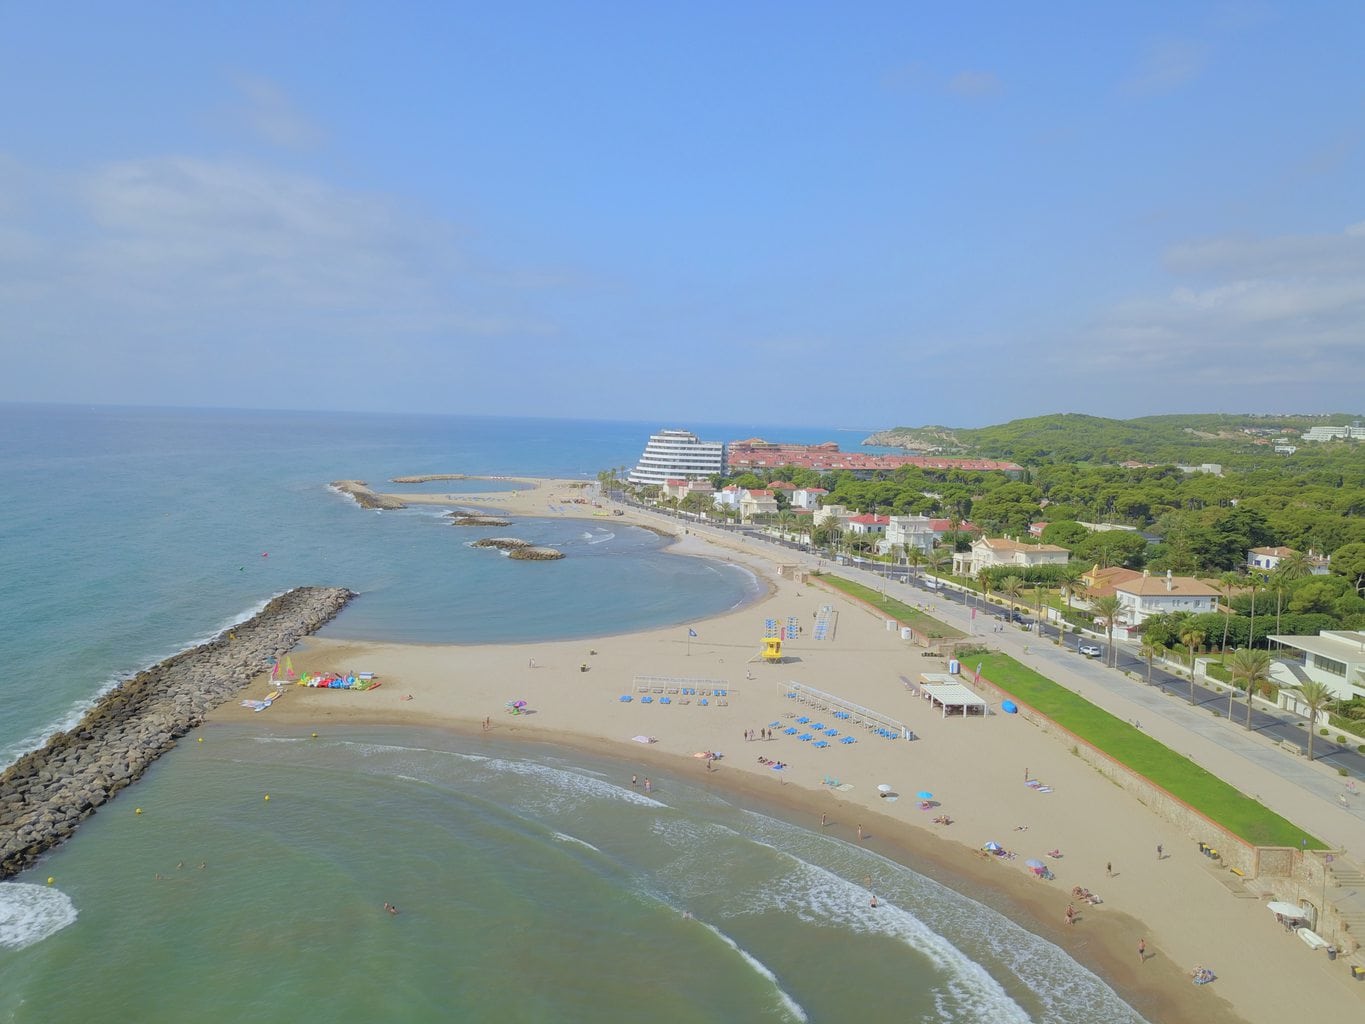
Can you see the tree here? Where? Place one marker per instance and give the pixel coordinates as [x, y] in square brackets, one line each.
[1192, 638]
[1317, 696]
[1071, 580]
[1227, 583]
[1349, 561]
[1254, 583]
[1293, 567]
[916, 558]
[984, 578]
[1106, 610]
[1249, 668]
[1151, 650]
[1011, 587]
[1038, 589]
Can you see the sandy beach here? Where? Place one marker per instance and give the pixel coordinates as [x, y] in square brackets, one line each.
[976, 769]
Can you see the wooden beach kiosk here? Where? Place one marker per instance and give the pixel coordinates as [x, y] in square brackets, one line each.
[950, 696]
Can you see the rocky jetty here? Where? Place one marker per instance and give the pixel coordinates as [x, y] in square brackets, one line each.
[533, 553]
[502, 543]
[471, 519]
[364, 496]
[427, 478]
[47, 793]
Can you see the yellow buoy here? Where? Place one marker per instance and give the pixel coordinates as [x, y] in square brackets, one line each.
[201, 739]
[315, 735]
[138, 811]
[50, 879]
[267, 796]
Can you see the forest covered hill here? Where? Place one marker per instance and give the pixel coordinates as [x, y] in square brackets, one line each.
[1235, 440]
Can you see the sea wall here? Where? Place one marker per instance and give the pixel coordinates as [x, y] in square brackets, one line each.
[48, 792]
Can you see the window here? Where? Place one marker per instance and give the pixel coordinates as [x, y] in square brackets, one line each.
[1330, 666]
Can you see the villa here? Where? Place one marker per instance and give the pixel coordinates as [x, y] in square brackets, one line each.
[989, 552]
[1335, 657]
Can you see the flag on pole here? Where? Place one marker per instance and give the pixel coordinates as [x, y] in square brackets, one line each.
[973, 613]
[977, 677]
[691, 632]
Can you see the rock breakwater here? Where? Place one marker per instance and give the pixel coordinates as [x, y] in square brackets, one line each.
[47, 793]
[365, 496]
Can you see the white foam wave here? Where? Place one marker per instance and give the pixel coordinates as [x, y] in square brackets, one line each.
[566, 838]
[78, 708]
[558, 784]
[793, 1008]
[1065, 989]
[30, 913]
[818, 896]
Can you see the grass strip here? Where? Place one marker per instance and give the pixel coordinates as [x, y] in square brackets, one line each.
[921, 622]
[1175, 773]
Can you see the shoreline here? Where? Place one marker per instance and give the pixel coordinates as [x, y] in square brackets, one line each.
[1181, 910]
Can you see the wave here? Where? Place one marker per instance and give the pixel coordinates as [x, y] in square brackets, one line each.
[78, 708]
[927, 916]
[789, 1004]
[30, 913]
[564, 837]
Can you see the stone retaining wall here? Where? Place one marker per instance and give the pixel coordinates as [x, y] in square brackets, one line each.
[48, 792]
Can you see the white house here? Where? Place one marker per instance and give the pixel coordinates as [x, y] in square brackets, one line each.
[728, 497]
[1269, 559]
[988, 552]
[808, 497]
[908, 532]
[1148, 595]
[1335, 657]
[868, 524]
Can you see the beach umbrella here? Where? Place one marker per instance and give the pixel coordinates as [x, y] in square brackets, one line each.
[1037, 865]
[884, 788]
[993, 846]
[519, 704]
[925, 795]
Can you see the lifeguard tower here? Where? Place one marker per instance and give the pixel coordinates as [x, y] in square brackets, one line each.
[772, 649]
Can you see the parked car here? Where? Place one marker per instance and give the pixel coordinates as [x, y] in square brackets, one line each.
[1089, 650]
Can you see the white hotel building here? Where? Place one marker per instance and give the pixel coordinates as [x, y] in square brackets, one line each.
[678, 455]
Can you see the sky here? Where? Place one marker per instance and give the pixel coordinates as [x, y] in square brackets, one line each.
[862, 215]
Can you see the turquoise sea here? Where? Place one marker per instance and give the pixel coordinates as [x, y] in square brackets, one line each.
[533, 883]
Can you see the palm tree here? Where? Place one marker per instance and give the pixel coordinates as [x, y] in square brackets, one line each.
[1071, 580]
[1107, 610]
[1192, 638]
[984, 578]
[1254, 583]
[1010, 587]
[1038, 606]
[916, 558]
[1151, 650]
[1317, 696]
[1292, 567]
[1227, 583]
[1251, 668]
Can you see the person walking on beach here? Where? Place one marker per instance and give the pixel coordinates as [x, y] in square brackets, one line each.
[860, 833]
[1142, 950]
[635, 780]
[1158, 851]
[1109, 868]
[648, 787]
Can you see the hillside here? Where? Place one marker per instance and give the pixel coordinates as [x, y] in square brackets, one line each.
[1236, 440]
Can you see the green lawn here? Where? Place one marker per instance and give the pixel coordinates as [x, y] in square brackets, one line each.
[924, 624]
[1178, 775]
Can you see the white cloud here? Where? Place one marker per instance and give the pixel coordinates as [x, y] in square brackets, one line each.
[1165, 66]
[271, 115]
[974, 83]
[917, 76]
[1287, 311]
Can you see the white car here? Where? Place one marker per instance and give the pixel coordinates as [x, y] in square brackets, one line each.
[1090, 650]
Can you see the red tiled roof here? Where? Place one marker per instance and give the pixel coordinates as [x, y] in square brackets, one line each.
[871, 520]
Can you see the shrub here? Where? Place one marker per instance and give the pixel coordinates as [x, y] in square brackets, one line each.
[1342, 771]
[1341, 739]
[1322, 732]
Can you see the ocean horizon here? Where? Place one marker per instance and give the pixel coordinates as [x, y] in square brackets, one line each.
[533, 882]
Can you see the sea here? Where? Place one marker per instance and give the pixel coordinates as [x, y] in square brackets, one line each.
[531, 882]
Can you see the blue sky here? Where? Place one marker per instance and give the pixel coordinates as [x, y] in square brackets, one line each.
[864, 215]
